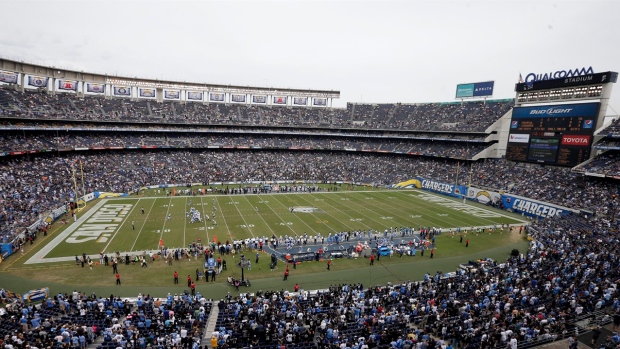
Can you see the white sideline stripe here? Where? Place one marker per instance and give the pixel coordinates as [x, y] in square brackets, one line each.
[94, 257]
[39, 256]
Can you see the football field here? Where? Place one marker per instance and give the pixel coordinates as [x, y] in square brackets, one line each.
[137, 224]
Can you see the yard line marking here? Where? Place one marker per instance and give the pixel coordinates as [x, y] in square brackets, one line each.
[184, 222]
[242, 217]
[161, 235]
[301, 220]
[498, 212]
[204, 219]
[391, 212]
[142, 227]
[349, 202]
[225, 223]
[315, 216]
[335, 219]
[123, 223]
[421, 208]
[261, 217]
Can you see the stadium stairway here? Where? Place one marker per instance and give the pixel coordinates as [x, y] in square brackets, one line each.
[206, 340]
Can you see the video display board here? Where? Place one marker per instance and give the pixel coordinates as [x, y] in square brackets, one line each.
[552, 134]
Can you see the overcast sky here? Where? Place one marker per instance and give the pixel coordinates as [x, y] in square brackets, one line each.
[377, 51]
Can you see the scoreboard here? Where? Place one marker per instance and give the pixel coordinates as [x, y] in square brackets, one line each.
[559, 134]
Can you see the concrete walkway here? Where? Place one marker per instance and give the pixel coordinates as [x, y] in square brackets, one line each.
[211, 325]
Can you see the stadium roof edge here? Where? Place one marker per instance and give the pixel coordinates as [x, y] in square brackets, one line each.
[29, 68]
[496, 100]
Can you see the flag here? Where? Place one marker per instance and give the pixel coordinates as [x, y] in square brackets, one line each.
[237, 98]
[95, 88]
[8, 77]
[259, 99]
[300, 100]
[172, 94]
[146, 92]
[37, 81]
[122, 91]
[194, 96]
[320, 101]
[217, 97]
[520, 78]
[67, 85]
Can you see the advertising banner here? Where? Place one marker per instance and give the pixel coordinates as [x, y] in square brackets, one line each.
[36, 295]
[519, 138]
[482, 89]
[483, 196]
[412, 183]
[561, 110]
[532, 208]
[478, 89]
[578, 140]
[443, 188]
[89, 197]
[464, 90]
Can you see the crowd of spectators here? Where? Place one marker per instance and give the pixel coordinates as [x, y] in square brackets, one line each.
[607, 164]
[556, 185]
[613, 130]
[78, 321]
[47, 140]
[463, 117]
[467, 116]
[32, 185]
[570, 271]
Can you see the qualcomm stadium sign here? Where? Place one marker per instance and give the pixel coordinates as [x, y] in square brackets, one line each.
[560, 74]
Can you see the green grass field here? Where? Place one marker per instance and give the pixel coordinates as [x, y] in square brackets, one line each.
[106, 225]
